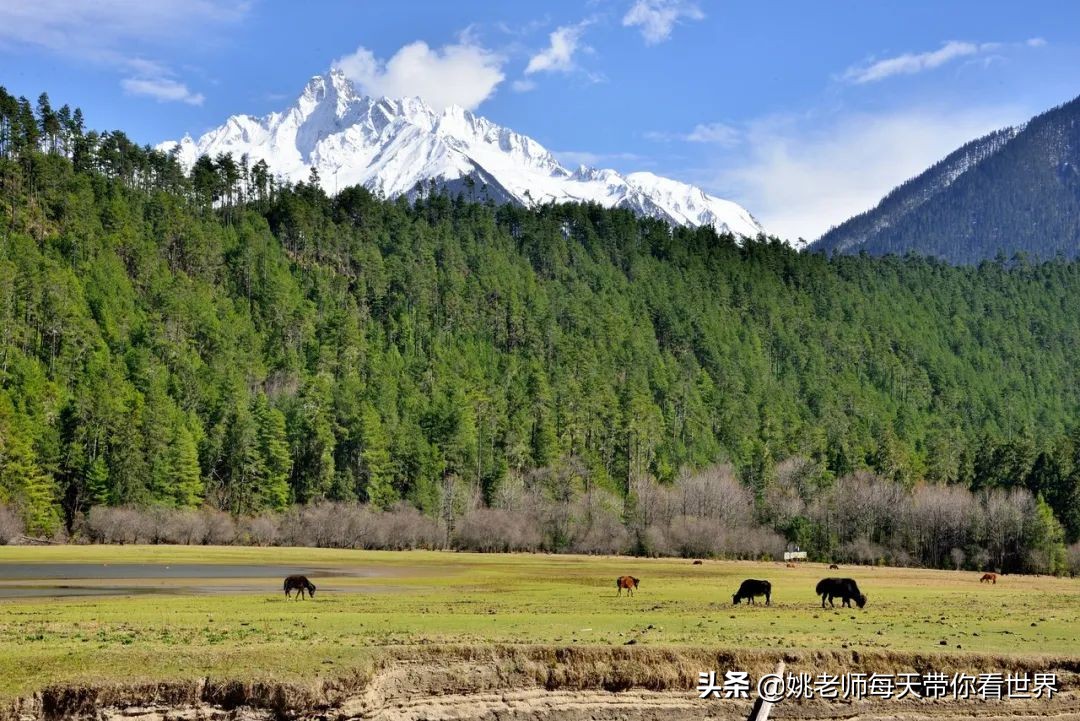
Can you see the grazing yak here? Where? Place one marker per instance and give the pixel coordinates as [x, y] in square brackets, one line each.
[833, 567]
[988, 578]
[750, 588]
[627, 582]
[299, 584]
[844, 588]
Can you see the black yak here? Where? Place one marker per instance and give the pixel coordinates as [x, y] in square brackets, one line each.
[844, 588]
[299, 584]
[750, 588]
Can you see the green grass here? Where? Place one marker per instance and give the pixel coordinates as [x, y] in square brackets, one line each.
[424, 598]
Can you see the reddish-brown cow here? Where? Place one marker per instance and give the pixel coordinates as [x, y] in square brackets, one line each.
[627, 582]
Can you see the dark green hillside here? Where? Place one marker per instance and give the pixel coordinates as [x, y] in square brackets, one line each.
[212, 338]
[1014, 191]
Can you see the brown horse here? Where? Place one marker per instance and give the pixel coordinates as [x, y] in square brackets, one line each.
[299, 584]
[988, 578]
[833, 567]
[627, 582]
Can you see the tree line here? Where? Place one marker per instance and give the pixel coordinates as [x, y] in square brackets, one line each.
[216, 338]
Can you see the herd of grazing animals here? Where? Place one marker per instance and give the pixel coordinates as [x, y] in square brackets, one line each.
[828, 588]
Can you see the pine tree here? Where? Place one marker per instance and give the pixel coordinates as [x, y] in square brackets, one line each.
[22, 481]
[97, 482]
[186, 482]
[274, 446]
[378, 466]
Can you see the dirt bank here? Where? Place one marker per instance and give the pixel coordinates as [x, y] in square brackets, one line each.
[511, 683]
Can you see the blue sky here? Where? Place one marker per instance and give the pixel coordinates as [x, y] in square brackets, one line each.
[804, 112]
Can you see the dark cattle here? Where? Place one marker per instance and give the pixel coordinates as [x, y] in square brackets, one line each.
[750, 588]
[844, 588]
[698, 562]
[988, 578]
[300, 584]
[833, 567]
[627, 582]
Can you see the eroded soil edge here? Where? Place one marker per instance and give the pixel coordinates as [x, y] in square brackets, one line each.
[537, 682]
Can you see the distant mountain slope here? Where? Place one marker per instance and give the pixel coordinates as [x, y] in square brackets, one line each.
[1014, 190]
[394, 147]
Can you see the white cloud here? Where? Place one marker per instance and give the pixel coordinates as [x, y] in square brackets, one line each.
[718, 133]
[106, 31]
[100, 28]
[559, 55]
[657, 18]
[800, 182]
[464, 74]
[162, 90]
[523, 85]
[912, 63]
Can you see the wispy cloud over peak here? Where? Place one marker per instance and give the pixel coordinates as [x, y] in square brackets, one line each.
[464, 74]
[657, 18]
[913, 63]
[162, 89]
[558, 56]
[909, 63]
[720, 134]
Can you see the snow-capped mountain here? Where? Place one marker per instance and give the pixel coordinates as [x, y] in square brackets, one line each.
[394, 146]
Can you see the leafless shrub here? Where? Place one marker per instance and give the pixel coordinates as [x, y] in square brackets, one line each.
[862, 550]
[351, 525]
[404, 527]
[220, 527]
[1072, 559]
[754, 542]
[715, 493]
[316, 524]
[260, 530]
[121, 525]
[11, 525]
[938, 519]
[498, 530]
[512, 494]
[654, 505]
[694, 536]
[183, 527]
[597, 525]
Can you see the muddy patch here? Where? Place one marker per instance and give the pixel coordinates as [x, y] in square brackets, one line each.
[46, 580]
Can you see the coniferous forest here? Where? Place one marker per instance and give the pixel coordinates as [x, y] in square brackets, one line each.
[218, 340]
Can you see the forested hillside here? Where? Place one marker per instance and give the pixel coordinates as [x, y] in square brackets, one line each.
[1016, 190]
[219, 339]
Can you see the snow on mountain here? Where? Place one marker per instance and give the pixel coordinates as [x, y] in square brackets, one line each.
[392, 146]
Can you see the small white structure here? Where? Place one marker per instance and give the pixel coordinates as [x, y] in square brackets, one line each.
[794, 555]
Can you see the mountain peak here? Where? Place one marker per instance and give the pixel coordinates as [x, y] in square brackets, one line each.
[394, 146]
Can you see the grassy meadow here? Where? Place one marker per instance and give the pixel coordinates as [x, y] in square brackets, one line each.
[165, 629]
